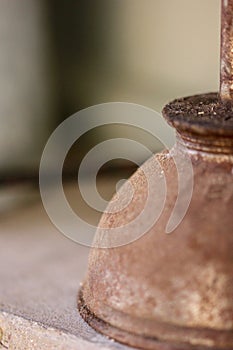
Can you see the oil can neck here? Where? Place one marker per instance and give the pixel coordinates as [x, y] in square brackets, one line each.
[209, 144]
[203, 123]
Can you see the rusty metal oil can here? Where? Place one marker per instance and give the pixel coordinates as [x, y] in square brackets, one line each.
[175, 291]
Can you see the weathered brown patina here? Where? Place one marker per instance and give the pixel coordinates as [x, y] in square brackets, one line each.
[171, 292]
[226, 86]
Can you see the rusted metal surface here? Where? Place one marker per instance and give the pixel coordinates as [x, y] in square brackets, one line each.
[170, 292]
[226, 87]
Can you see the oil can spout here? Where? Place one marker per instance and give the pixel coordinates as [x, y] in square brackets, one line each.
[226, 71]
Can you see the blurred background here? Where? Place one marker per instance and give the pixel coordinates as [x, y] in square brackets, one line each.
[58, 57]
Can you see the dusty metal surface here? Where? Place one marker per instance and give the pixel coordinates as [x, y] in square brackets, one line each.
[19, 333]
[226, 84]
[40, 273]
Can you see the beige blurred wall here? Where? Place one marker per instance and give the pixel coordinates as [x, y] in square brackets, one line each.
[146, 52]
[157, 50]
[153, 51]
[171, 46]
[27, 98]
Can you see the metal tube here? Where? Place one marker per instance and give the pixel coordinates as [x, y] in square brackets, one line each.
[226, 79]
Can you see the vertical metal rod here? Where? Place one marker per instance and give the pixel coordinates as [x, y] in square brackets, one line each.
[226, 79]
